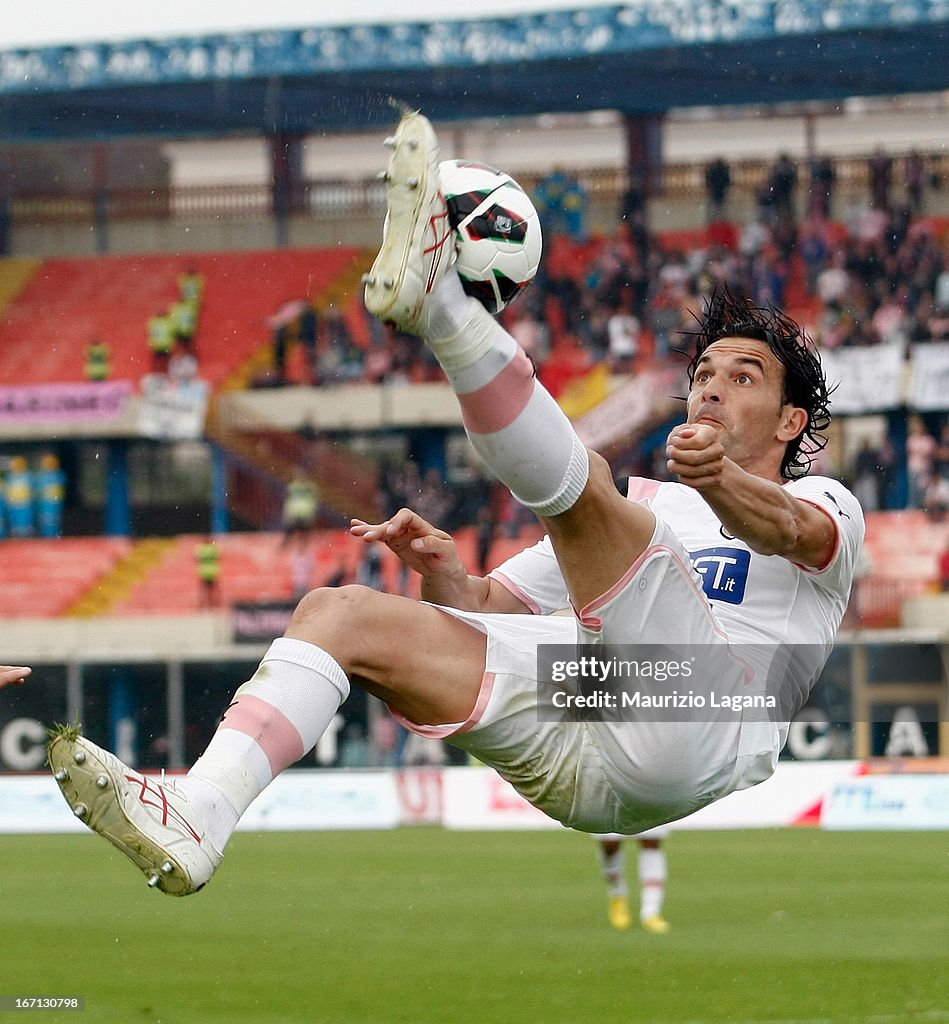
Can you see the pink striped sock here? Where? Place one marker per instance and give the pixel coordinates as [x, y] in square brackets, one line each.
[511, 419]
[274, 719]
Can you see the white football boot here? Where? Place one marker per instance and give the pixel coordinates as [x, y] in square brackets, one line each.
[151, 822]
[418, 240]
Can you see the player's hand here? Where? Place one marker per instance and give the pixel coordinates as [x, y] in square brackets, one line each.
[421, 546]
[696, 455]
[13, 675]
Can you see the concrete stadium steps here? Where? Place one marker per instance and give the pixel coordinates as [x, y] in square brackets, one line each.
[44, 578]
[254, 567]
[251, 287]
[15, 274]
[906, 545]
[343, 291]
[66, 303]
[902, 551]
[140, 560]
[257, 567]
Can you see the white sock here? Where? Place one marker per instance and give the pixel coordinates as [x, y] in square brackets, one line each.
[613, 868]
[653, 872]
[511, 419]
[275, 718]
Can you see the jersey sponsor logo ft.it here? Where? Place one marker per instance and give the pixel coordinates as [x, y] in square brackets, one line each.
[724, 572]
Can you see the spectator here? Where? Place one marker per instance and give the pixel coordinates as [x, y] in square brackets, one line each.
[302, 565]
[914, 173]
[718, 180]
[369, 569]
[561, 204]
[823, 176]
[781, 187]
[301, 505]
[866, 477]
[833, 282]
[183, 365]
[308, 328]
[183, 315]
[161, 341]
[944, 570]
[936, 501]
[666, 310]
[207, 557]
[487, 531]
[623, 330]
[98, 360]
[881, 172]
[49, 488]
[191, 286]
[813, 249]
[920, 453]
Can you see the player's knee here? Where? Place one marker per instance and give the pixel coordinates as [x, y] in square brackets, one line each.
[329, 607]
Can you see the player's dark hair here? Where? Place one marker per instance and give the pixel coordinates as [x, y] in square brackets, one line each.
[729, 316]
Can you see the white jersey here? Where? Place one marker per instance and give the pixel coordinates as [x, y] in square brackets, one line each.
[763, 601]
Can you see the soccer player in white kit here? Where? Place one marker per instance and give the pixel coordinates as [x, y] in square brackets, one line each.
[736, 560]
[653, 872]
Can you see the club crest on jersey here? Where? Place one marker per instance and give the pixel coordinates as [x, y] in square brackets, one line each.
[724, 572]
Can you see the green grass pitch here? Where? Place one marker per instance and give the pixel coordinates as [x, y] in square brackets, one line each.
[424, 925]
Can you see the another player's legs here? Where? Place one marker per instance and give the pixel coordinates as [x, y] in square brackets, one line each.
[175, 832]
[511, 419]
[653, 872]
[612, 858]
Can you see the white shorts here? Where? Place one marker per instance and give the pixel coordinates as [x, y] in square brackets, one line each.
[610, 776]
[659, 833]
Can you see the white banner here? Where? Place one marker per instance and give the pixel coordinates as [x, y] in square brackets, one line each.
[930, 387]
[868, 378]
[304, 800]
[172, 410]
[888, 802]
[478, 798]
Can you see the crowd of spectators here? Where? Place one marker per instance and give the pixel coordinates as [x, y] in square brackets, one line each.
[858, 274]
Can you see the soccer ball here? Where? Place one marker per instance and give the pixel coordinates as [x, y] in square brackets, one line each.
[497, 232]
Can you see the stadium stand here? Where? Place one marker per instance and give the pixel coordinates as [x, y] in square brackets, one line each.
[902, 551]
[55, 307]
[45, 578]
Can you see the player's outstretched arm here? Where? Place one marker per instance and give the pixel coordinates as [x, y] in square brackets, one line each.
[759, 511]
[11, 675]
[432, 553]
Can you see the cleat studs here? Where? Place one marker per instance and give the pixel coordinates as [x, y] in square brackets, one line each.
[368, 279]
[413, 143]
[390, 142]
[382, 176]
[388, 283]
[80, 810]
[167, 868]
[102, 781]
[412, 182]
[153, 879]
[61, 775]
[79, 757]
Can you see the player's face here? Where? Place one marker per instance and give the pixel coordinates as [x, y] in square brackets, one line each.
[738, 389]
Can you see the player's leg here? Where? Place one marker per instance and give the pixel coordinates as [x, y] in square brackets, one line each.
[428, 665]
[511, 419]
[612, 857]
[653, 874]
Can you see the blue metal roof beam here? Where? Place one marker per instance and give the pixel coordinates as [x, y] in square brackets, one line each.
[637, 26]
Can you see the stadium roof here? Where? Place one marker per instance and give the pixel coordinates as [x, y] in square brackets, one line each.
[646, 56]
